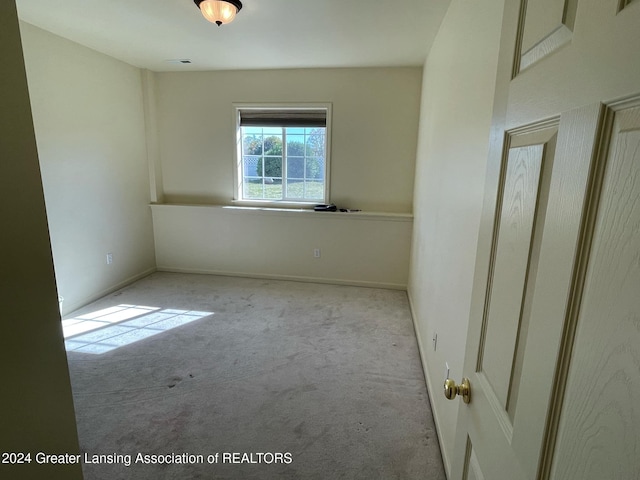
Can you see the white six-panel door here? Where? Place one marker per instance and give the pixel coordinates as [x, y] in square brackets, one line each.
[553, 348]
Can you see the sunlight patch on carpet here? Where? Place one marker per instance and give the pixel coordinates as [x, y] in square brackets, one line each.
[110, 328]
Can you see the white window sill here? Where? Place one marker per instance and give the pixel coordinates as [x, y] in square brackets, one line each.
[276, 205]
[308, 212]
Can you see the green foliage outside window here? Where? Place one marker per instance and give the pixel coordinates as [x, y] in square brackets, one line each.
[310, 157]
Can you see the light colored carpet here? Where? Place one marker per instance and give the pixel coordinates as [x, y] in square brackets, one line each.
[327, 374]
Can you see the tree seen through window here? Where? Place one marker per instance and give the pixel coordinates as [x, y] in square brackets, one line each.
[283, 163]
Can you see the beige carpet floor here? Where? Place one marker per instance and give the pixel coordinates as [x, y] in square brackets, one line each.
[183, 376]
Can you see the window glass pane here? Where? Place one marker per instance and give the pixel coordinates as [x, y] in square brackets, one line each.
[250, 166]
[253, 188]
[295, 190]
[315, 142]
[272, 145]
[295, 168]
[314, 168]
[252, 130]
[272, 167]
[252, 144]
[265, 162]
[314, 190]
[295, 145]
[270, 189]
[273, 191]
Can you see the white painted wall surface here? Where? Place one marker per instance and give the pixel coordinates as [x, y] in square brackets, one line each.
[90, 130]
[374, 135]
[373, 145]
[355, 249]
[457, 103]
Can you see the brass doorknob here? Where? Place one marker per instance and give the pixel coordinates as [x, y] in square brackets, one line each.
[451, 389]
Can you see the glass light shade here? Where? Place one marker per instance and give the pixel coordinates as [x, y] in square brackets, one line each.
[218, 11]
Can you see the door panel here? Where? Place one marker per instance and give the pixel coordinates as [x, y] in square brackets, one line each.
[598, 432]
[541, 18]
[549, 324]
[472, 470]
[516, 428]
[512, 243]
[545, 26]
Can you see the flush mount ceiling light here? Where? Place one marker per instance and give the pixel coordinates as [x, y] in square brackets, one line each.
[219, 11]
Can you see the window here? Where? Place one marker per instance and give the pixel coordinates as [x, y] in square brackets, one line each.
[282, 153]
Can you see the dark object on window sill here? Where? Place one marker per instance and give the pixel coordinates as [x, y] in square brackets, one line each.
[325, 208]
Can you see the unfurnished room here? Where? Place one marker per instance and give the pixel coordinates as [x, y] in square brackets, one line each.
[265, 239]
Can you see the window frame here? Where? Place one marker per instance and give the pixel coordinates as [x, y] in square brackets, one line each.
[238, 163]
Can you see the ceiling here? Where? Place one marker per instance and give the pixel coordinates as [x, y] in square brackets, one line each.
[153, 34]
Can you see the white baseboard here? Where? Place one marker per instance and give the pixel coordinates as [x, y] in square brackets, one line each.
[330, 281]
[71, 307]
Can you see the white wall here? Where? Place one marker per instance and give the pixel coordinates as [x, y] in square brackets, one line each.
[96, 147]
[457, 100]
[374, 135]
[90, 130]
[373, 145]
[355, 249]
[36, 408]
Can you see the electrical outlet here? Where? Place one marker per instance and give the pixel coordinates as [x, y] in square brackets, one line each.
[316, 253]
[109, 258]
